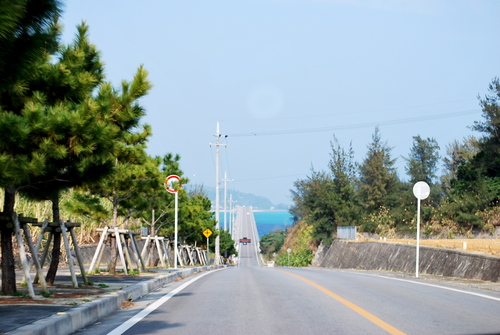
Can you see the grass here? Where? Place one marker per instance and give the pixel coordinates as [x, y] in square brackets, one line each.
[21, 294]
[46, 294]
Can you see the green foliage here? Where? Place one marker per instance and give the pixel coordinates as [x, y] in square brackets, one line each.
[21, 294]
[327, 201]
[491, 114]
[313, 203]
[422, 163]
[476, 186]
[381, 223]
[28, 36]
[467, 199]
[378, 179]
[80, 204]
[46, 294]
[298, 240]
[272, 243]
[226, 242]
[300, 258]
[458, 154]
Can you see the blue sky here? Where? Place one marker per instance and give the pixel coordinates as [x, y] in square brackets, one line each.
[283, 77]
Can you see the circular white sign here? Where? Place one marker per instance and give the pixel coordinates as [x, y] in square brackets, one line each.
[169, 181]
[421, 190]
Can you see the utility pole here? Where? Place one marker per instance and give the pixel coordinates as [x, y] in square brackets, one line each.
[217, 200]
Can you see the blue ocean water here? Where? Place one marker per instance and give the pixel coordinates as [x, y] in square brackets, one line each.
[266, 221]
[269, 221]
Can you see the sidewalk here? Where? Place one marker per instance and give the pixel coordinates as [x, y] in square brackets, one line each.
[68, 309]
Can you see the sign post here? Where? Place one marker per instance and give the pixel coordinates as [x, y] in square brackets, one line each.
[170, 187]
[207, 232]
[421, 191]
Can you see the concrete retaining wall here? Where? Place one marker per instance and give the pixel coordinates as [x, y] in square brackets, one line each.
[401, 258]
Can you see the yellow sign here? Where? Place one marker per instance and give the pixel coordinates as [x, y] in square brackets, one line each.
[207, 232]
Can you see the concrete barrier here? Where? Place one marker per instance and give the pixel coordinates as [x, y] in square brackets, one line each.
[401, 258]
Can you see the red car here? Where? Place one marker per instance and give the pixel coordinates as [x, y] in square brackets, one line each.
[245, 240]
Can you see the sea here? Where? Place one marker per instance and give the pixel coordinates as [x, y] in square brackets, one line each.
[269, 221]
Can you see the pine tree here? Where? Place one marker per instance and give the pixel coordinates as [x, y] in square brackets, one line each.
[422, 162]
[79, 141]
[28, 35]
[343, 169]
[129, 178]
[378, 177]
[477, 183]
[129, 174]
[487, 161]
[458, 154]
[315, 202]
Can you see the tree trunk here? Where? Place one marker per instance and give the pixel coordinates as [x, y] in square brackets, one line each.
[56, 248]
[114, 254]
[151, 244]
[7, 231]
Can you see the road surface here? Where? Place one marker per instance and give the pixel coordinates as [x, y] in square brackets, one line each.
[252, 299]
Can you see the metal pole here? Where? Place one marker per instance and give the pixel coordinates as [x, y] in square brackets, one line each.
[418, 238]
[225, 200]
[217, 205]
[231, 215]
[176, 222]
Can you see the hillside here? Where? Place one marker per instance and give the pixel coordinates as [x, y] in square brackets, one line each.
[241, 199]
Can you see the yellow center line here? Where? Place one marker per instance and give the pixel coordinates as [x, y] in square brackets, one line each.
[385, 326]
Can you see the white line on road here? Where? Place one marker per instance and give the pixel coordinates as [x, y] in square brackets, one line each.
[433, 285]
[145, 312]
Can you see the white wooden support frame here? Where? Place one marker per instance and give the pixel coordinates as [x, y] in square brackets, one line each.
[22, 253]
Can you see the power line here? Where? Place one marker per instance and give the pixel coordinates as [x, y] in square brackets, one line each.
[359, 125]
[269, 178]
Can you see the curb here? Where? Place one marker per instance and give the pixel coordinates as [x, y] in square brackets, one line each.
[81, 316]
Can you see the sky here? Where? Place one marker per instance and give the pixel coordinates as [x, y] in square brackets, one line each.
[281, 78]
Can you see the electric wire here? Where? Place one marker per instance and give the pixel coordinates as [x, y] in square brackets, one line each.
[359, 125]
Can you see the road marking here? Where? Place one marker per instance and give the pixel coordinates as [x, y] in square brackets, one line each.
[145, 312]
[433, 285]
[384, 325]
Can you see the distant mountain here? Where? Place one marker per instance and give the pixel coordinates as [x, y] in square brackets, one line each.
[239, 198]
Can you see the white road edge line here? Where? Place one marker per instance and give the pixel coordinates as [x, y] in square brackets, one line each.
[436, 286]
[146, 311]
[256, 239]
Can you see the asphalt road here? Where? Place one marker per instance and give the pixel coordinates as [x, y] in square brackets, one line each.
[251, 299]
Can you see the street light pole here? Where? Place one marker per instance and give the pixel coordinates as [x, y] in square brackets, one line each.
[217, 200]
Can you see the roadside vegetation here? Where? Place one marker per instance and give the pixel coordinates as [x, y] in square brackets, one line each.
[464, 200]
[73, 145]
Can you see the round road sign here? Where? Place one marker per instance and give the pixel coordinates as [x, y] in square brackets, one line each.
[169, 183]
[421, 190]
